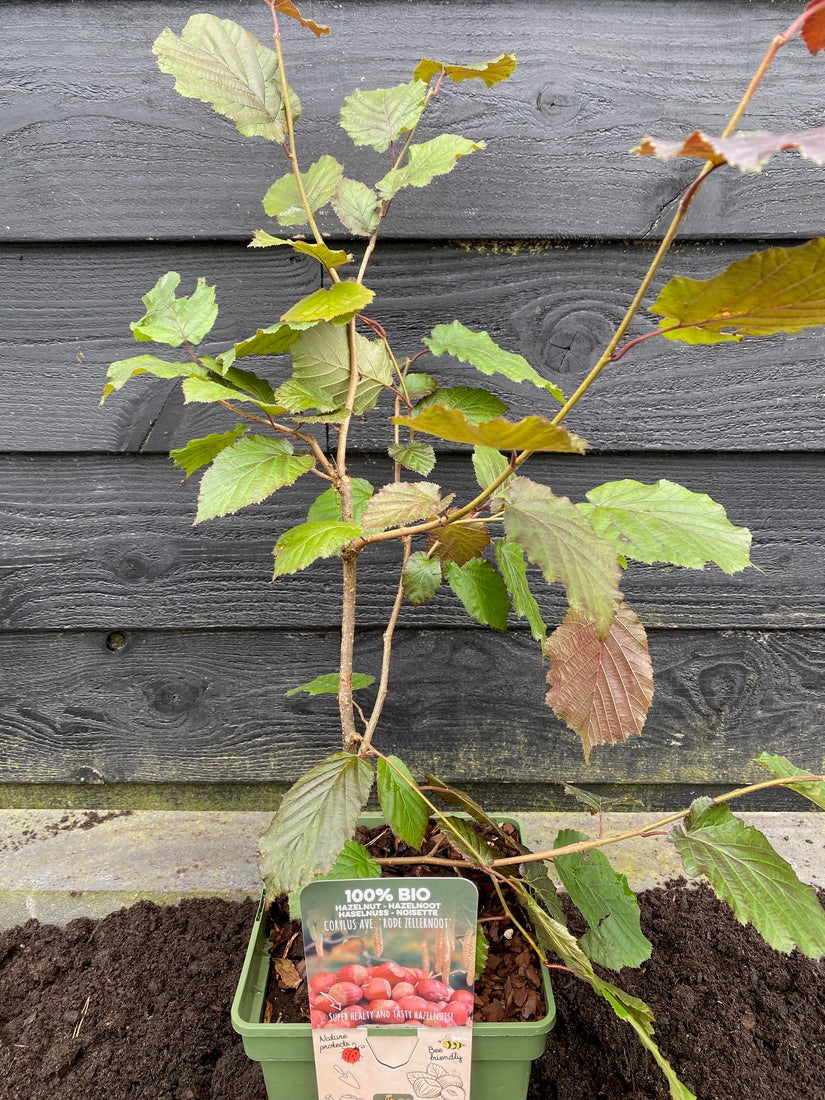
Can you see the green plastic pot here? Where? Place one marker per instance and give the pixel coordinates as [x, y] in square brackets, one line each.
[502, 1053]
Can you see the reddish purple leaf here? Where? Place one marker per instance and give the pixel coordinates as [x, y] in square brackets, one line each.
[748, 152]
[813, 32]
[601, 689]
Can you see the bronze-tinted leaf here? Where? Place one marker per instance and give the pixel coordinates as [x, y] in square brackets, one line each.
[533, 433]
[813, 32]
[287, 7]
[749, 152]
[458, 542]
[601, 688]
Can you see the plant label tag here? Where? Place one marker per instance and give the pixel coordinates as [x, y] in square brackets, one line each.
[390, 967]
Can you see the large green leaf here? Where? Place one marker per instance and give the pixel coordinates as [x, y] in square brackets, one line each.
[327, 684]
[378, 117]
[357, 206]
[489, 464]
[339, 303]
[746, 872]
[466, 838]
[491, 72]
[175, 321]
[317, 816]
[421, 578]
[561, 541]
[606, 902]
[666, 522]
[513, 569]
[481, 590]
[480, 350]
[321, 358]
[326, 508]
[426, 161]
[302, 545]
[297, 397]
[403, 502]
[248, 472]
[534, 873]
[478, 405]
[406, 811]
[273, 340]
[779, 290]
[221, 64]
[200, 452]
[418, 457]
[782, 768]
[283, 199]
[215, 389]
[120, 372]
[601, 686]
[533, 433]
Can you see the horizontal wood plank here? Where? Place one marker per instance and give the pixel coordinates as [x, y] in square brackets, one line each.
[210, 708]
[109, 543]
[96, 145]
[65, 314]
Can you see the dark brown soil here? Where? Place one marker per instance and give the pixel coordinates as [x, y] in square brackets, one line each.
[137, 1005]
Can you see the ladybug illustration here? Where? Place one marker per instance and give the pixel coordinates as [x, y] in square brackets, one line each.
[351, 1055]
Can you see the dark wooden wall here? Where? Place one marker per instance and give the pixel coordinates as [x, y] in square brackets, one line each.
[145, 662]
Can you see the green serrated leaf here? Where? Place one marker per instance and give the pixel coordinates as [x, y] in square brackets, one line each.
[513, 569]
[406, 811]
[200, 452]
[597, 805]
[403, 502]
[476, 404]
[746, 872]
[327, 684]
[534, 873]
[304, 544]
[357, 207]
[283, 199]
[379, 117]
[419, 385]
[778, 290]
[481, 590]
[175, 321]
[533, 433]
[421, 578]
[419, 457]
[782, 768]
[426, 161]
[482, 952]
[465, 838]
[555, 939]
[606, 902]
[248, 472]
[213, 390]
[667, 522]
[329, 257]
[274, 340]
[491, 72]
[326, 508]
[454, 797]
[554, 535]
[481, 351]
[490, 464]
[321, 358]
[316, 818]
[297, 397]
[220, 63]
[123, 370]
[339, 303]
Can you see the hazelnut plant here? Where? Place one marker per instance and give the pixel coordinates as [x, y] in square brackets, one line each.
[329, 363]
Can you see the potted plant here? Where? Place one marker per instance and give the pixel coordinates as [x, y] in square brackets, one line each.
[328, 365]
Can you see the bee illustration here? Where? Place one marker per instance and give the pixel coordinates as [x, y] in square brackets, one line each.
[451, 1042]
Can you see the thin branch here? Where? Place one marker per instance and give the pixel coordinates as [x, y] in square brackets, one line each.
[383, 684]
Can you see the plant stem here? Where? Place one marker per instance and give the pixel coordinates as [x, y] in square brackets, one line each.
[386, 658]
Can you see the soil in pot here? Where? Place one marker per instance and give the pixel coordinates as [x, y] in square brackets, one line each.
[137, 1005]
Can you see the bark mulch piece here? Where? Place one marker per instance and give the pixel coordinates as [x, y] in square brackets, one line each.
[137, 1005]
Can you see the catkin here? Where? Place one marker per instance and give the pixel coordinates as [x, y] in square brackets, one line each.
[468, 954]
[377, 937]
[425, 955]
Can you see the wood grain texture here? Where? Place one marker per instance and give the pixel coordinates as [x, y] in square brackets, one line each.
[210, 707]
[65, 313]
[108, 543]
[96, 145]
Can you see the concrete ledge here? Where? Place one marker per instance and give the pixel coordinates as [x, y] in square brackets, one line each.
[56, 865]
